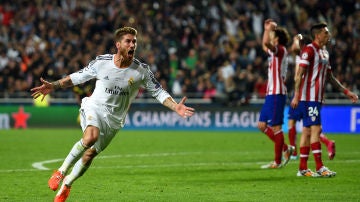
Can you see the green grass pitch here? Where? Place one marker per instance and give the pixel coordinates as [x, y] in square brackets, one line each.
[172, 166]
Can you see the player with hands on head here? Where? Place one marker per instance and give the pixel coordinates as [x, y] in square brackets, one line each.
[118, 80]
[271, 118]
[314, 70]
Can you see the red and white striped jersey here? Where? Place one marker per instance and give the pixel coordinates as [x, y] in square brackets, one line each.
[278, 65]
[316, 62]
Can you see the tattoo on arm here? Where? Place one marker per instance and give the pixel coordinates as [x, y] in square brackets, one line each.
[170, 103]
[56, 84]
[335, 82]
[298, 75]
[62, 83]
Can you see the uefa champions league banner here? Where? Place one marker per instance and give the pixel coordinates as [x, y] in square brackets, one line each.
[335, 119]
[220, 119]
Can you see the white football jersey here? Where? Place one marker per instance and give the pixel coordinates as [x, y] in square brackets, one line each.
[116, 88]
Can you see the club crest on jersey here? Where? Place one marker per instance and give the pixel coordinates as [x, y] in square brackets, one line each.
[313, 118]
[304, 56]
[131, 81]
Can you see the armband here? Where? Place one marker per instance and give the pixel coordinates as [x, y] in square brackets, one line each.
[346, 91]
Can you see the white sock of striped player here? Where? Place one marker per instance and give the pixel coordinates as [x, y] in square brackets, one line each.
[74, 155]
[78, 170]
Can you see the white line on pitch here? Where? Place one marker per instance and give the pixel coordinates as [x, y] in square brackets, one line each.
[38, 166]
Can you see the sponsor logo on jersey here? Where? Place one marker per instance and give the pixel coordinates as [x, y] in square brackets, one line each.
[117, 91]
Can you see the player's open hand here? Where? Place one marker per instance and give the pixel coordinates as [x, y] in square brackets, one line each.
[294, 102]
[43, 90]
[353, 97]
[183, 110]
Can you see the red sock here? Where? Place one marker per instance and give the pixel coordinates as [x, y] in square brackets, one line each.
[292, 138]
[279, 142]
[304, 156]
[324, 139]
[270, 133]
[316, 150]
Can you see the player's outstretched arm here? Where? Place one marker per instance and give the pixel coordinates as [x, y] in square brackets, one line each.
[47, 87]
[180, 108]
[352, 96]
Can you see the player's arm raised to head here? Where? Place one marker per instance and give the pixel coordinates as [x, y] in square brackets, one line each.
[336, 83]
[295, 46]
[269, 27]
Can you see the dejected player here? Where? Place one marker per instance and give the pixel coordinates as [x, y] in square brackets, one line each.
[309, 90]
[294, 114]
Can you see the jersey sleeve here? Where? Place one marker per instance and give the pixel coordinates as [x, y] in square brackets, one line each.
[306, 56]
[85, 74]
[153, 86]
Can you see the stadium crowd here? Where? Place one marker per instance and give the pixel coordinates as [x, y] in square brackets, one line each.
[207, 49]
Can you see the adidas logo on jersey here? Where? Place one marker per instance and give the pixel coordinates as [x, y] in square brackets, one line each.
[106, 78]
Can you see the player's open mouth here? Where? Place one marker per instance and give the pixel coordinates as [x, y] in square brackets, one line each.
[131, 53]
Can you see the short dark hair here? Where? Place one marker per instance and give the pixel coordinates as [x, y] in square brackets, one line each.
[122, 31]
[305, 40]
[283, 35]
[315, 29]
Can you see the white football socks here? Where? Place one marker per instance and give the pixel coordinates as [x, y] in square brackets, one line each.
[78, 170]
[74, 155]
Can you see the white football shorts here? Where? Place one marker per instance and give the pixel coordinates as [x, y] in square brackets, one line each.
[92, 114]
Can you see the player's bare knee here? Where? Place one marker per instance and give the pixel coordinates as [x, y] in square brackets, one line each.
[91, 135]
[262, 126]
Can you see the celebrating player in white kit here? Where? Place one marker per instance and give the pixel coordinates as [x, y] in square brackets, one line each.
[118, 79]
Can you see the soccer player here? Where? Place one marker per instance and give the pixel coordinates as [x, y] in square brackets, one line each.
[271, 118]
[294, 114]
[309, 87]
[119, 77]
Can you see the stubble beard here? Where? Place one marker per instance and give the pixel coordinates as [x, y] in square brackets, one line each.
[125, 60]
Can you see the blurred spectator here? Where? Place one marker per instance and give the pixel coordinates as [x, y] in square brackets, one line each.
[49, 38]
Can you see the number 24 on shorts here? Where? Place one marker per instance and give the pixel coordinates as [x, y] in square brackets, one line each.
[313, 111]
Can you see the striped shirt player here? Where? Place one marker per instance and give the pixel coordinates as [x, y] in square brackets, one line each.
[271, 117]
[295, 114]
[118, 79]
[310, 80]
[315, 60]
[277, 70]
[276, 89]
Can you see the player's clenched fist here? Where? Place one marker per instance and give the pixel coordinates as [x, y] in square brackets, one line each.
[270, 24]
